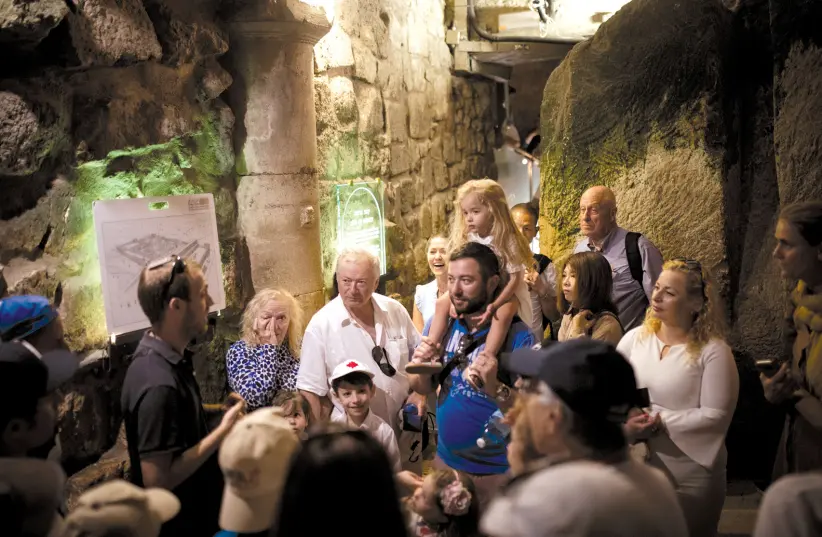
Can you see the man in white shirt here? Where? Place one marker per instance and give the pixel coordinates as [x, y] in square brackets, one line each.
[568, 453]
[362, 325]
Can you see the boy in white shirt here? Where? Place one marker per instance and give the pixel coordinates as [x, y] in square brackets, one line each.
[353, 385]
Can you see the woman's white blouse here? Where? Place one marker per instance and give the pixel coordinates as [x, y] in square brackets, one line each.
[695, 398]
[426, 299]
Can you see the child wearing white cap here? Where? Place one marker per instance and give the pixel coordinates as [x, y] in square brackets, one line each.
[353, 385]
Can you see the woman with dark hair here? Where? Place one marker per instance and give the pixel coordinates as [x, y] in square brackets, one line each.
[340, 483]
[585, 298]
[797, 384]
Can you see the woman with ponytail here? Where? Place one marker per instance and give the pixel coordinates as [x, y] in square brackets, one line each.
[681, 357]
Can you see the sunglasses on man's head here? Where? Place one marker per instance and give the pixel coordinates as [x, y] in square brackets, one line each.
[379, 356]
[178, 268]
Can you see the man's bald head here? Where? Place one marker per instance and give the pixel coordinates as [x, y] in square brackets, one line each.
[597, 212]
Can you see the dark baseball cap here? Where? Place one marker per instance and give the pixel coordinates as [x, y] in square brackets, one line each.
[20, 362]
[590, 376]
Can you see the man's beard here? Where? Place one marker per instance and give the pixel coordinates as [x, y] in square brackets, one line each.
[478, 303]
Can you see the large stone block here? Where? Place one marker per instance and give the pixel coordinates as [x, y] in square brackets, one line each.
[333, 50]
[370, 109]
[419, 116]
[799, 99]
[365, 64]
[590, 139]
[40, 228]
[344, 99]
[186, 30]
[133, 107]
[113, 32]
[25, 23]
[34, 119]
[390, 74]
[400, 159]
[414, 73]
[396, 116]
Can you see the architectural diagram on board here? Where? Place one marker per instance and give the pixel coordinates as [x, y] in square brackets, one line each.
[133, 233]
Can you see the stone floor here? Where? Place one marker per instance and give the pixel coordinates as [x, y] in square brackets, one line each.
[739, 514]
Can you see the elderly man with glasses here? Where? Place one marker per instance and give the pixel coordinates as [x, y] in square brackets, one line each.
[359, 324]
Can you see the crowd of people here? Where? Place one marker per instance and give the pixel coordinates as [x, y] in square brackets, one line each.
[613, 424]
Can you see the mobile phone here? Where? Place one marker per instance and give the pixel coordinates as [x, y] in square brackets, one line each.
[768, 366]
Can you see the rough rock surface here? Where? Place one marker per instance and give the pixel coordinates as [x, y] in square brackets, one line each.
[186, 29]
[113, 32]
[706, 129]
[34, 116]
[676, 126]
[25, 23]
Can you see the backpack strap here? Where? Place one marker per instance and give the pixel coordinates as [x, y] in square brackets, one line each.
[599, 316]
[633, 255]
[542, 262]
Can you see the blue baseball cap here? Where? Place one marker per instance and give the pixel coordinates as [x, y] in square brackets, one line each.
[23, 315]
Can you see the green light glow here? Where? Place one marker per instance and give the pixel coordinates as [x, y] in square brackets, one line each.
[191, 164]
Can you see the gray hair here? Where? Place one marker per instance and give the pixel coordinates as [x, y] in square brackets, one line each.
[359, 254]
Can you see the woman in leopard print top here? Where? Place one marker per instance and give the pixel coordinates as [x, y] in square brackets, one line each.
[266, 359]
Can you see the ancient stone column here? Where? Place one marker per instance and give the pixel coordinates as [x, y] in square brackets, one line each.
[271, 58]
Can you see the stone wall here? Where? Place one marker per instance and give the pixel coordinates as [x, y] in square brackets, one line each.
[705, 130]
[104, 99]
[388, 108]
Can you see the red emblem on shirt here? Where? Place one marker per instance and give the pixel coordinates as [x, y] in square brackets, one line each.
[352, 365]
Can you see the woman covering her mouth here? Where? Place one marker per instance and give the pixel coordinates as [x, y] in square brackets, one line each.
[425, 298]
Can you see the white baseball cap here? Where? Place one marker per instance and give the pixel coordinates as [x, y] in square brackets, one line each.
[350, 366]
[255, 458]
[121, 508]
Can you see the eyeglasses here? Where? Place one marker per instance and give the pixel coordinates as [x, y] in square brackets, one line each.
[178, 268]
[378, 354]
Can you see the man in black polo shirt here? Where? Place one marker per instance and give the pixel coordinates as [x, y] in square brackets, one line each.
[169, 443]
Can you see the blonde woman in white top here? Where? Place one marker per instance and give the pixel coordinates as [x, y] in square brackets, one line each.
[680, 356]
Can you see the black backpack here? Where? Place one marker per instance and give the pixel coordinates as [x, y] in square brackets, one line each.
[633, 255]
[542, 263]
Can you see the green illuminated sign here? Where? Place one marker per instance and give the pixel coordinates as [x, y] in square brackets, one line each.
[360, 218]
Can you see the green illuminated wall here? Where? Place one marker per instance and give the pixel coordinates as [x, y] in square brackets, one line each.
[196, 163]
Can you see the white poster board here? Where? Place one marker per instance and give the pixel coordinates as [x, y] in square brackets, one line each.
[131, 233]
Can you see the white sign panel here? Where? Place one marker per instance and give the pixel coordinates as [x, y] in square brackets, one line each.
[131, 233]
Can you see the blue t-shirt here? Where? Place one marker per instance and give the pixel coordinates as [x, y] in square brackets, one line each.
[463, 412]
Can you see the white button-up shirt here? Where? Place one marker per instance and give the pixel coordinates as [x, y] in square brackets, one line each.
[382, 433]
[333, 336]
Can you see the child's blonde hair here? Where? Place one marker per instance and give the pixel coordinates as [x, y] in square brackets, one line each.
[509, 242]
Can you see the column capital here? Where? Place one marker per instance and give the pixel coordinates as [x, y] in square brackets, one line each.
[292, 21]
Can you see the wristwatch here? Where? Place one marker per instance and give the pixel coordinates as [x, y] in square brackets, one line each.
[503, 393]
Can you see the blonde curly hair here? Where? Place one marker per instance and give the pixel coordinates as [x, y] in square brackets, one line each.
[508, 241]
[295, 316]
[709, 321]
